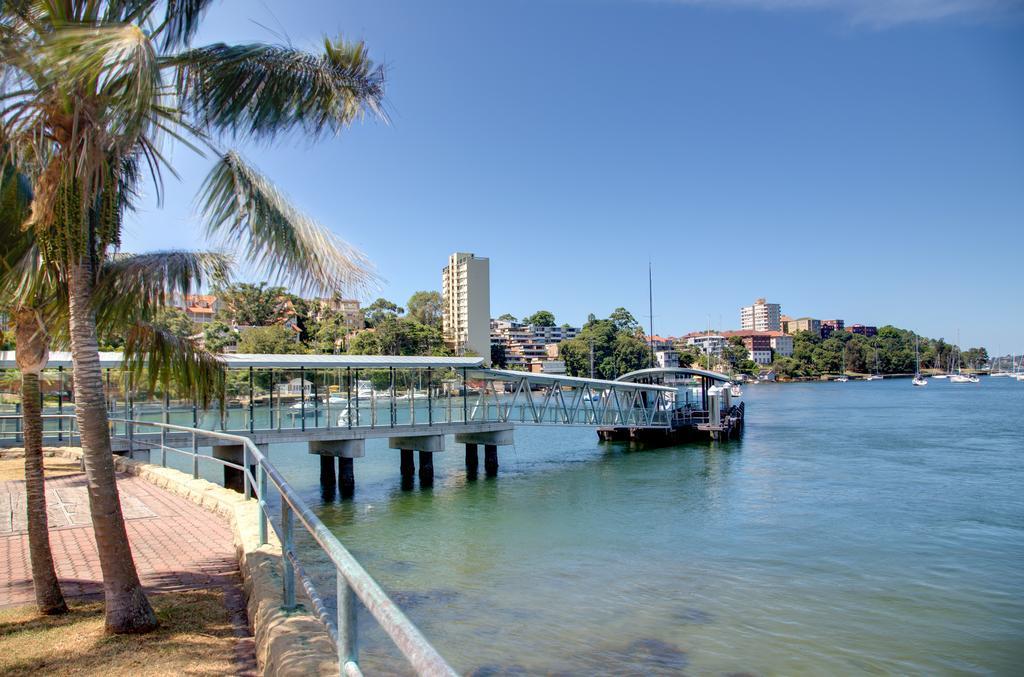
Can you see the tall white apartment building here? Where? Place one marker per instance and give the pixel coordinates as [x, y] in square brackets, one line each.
[762, 316]
[466, 296]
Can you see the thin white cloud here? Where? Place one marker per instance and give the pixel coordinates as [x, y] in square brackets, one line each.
[883, 12]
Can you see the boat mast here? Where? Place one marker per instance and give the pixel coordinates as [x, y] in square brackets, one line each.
[650, 307]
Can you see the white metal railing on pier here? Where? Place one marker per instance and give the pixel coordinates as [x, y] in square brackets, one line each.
[59, 428]
[353, 581]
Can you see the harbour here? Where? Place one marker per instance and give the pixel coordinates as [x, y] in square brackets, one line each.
[853, 528]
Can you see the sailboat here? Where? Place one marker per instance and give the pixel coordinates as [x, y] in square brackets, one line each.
[959, 376]
[843, 379]
[918, 379]
[876, 376]
[1003, 372]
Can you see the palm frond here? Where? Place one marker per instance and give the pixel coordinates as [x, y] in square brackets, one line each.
[22, 275]
[242, 208]
[132, 287]
[181, 21]
[155, 356]
[260, 90]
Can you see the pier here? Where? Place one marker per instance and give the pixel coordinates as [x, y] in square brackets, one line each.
[335, 403]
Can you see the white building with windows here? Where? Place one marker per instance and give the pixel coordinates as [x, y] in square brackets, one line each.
[707, 343]
[466, 296]
[782, 344]
[762, 316]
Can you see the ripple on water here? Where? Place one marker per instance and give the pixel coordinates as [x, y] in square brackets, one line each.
[693, 616]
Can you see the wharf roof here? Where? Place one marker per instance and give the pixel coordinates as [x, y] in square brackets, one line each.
[112, 360]
[654, 372]
[557, 379]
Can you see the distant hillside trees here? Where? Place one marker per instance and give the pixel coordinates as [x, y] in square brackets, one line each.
[618, 347]
[541, 318]
[891, 351]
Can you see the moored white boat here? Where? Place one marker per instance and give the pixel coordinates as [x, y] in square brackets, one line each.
[1008, 374]
[918, 379]
[843, 378]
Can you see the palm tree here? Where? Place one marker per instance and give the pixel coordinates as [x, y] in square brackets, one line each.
[34, 302]
[89, 88]
[31, 354]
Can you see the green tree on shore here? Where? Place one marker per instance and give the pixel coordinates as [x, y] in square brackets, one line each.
[273, 340]
[381, 310]
[541, 318]
[617, 348]
[426, 308]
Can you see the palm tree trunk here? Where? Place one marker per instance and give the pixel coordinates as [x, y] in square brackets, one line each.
[44, 577]
[127, 609]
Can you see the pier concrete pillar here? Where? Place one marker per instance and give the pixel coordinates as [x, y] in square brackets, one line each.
[426, 469]
[327, 478]
[472, 461]
[408, 467]
[346, 477]
[345, 451]
[491, 460]
[234, 478]
[491, 439]
[426, 445]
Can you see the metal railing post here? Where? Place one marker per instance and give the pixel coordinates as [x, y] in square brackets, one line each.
[245, 472]
[262, 475]
[163, 431]
[195, 457]
[288, 573]
[348, 642]
[131, 439]
[252, 412]
[60, 406]
[393, 406]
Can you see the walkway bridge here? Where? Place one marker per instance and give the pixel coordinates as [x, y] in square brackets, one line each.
[336, 402]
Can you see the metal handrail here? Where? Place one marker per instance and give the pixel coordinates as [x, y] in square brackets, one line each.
[353, 581]
[70, 432]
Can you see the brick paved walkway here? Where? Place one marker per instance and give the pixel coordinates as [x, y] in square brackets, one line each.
[176, 544]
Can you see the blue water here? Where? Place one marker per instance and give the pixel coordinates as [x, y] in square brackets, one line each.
[856, 528]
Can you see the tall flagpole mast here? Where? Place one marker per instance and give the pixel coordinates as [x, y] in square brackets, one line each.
[650, 306]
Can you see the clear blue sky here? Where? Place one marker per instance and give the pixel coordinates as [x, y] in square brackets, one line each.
[861, 159]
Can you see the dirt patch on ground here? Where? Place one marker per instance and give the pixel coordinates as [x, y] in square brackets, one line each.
[13, 469]
[195, 637]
